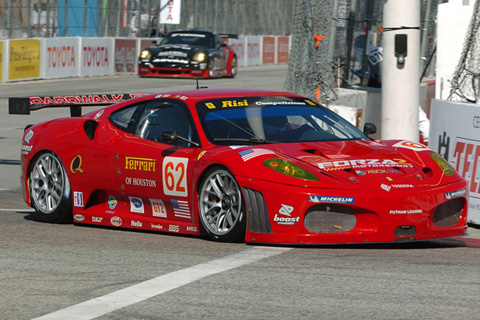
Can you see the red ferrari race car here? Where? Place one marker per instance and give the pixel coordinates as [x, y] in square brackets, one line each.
[236, 165]
[189, 53]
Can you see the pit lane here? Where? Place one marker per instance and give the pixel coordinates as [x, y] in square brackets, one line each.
[45, 268]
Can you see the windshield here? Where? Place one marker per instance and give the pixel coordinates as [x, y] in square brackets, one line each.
[272, 120]
[191, 39]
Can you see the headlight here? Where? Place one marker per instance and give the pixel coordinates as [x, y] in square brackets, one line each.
[145, 54]
[443, 164]
[290, 169]
[200, 57]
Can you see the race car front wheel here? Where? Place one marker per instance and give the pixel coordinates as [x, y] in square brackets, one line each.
[221, 208]
[50, 189]
[233, 67]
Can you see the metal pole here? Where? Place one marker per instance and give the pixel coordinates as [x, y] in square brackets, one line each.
[99, 18]
[65, 19]
[366, 52]
[30, 20]
[333, 32]
[401, 70]
[348, 54]
[426, 26]
[85, 6]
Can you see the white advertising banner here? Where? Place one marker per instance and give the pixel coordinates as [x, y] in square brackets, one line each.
[254, 57]
[239, 47]
[455, 135]
[97, 57]
[170, 11]
[61, 58]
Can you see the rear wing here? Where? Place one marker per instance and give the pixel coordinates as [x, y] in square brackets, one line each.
[25, 105]
[228, 35]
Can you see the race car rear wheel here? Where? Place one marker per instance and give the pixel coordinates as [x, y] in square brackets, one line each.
[221, 207]
[50, 189]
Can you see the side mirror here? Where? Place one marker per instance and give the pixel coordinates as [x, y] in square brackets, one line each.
[369, 128]
[169, 136]
[172, 136]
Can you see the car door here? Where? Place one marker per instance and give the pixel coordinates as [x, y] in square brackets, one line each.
[152, 177]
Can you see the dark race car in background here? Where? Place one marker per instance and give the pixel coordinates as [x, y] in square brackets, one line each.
[248, 165]
[189, 53]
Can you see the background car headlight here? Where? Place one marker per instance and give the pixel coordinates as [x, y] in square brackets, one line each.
[200, 57]
[290, 169]
[145, 54]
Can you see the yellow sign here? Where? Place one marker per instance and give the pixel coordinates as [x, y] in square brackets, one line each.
[24, 56]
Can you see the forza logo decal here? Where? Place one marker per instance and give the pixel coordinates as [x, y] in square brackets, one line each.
[76, 164]
[140, 164]
[363, 163]
[175, 176]
[330, 199]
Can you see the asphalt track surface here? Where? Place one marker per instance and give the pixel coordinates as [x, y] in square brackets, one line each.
[51, 271]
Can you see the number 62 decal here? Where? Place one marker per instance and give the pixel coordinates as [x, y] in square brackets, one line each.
[174, 172]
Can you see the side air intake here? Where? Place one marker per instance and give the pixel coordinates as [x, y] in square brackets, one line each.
[257, 213]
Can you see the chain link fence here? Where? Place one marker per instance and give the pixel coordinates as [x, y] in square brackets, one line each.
[466, 79]
[138, 18]
[329, 43]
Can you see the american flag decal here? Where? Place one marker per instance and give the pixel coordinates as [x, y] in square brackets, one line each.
[181, 208]
[252, 153]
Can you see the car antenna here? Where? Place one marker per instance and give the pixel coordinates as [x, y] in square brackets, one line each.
[198, 87]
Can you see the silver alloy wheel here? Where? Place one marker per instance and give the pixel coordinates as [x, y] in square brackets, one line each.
[220, 202]
[47, 183]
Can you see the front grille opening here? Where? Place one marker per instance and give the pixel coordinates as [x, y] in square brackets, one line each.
[326, 218]
[449, 213]
[405, 231]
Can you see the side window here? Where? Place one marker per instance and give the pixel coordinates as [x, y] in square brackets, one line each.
[124, 118]
[218, 41]
[159, 116]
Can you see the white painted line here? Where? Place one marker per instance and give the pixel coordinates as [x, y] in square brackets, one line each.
[16, 210]
[142, 291]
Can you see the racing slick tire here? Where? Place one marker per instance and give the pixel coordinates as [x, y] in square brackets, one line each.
[221, 206]
[50, 192]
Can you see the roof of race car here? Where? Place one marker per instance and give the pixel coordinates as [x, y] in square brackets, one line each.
[23, 105]
[205, 93]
